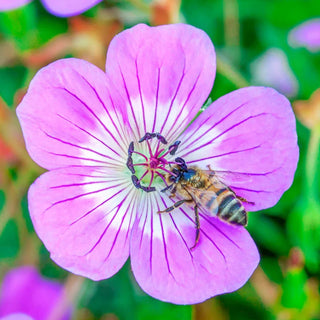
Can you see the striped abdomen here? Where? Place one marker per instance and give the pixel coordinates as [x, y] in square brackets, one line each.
[228, 207]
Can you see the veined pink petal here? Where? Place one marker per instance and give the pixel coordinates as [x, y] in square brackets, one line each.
[6, 5]
[167, 269]
[68, 8]
[84, 215]
[252, 133]
[165, 74]
[68, 117]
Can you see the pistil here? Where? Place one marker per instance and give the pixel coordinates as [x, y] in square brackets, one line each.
[154, 164]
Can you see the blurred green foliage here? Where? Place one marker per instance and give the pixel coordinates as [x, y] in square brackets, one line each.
[289, 286]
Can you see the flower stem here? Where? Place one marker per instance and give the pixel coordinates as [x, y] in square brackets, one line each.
[232, 26]
[70, 297]
[230, 73]
[140, 5]
[311, 162]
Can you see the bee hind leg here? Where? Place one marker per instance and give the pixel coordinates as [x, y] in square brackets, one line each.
[245, 200]
[197, 220]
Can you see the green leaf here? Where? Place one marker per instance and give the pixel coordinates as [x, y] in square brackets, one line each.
[9, 240]
[11, 79]
[294, 295]
[268, 233]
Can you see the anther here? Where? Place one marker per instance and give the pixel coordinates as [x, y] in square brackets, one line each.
[131, 148]
[129, 160]
[135, 181]
[137, 184]
[130, 164]
[161, 138]
[181, 163]
[173, 148]
[148, 189]
[152, 135]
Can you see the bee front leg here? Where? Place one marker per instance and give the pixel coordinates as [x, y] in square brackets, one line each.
[197, 220]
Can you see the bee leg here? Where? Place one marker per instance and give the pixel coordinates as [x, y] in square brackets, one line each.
[212, 171]
[175, 205]
[173, 192]
[244, 200]
[197, 226]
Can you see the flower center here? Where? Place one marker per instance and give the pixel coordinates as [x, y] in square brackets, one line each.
[146, 170]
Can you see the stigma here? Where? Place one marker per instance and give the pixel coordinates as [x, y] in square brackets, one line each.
[154, 164]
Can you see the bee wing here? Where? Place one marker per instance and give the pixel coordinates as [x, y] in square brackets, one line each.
[228, 176]
[206, 200]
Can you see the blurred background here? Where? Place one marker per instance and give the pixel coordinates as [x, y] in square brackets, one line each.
[257, 43]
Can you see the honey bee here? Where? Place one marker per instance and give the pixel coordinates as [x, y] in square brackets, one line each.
[204, 190]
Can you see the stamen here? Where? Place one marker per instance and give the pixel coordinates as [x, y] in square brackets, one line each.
[151, 180]
[157, 149]
[130, 165]
[129, 160]
[155, 163]
[173, 148]
[130, 149]
[135, 181]
[158, 152]
[168, 171]
[148, 189]
[149, 136]
[141, 164]
[146, 172]
[141, 154]
[149, 147]
[162, 177]
[181, 163]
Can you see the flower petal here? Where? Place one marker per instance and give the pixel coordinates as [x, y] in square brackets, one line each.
[68, 117]
[68, 8]
[17, 316]
[306, 35]
[165, 74]
[273, 69]
[83, 215]
[166, 268]
[252, 133]
[21, 291]
[6, 5]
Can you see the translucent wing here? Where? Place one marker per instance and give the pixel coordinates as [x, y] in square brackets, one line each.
[206, 200]
[229, 178]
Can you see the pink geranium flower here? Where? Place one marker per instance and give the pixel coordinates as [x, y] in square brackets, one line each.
[61, 8]
[98, 203]
[306, 34]
[25, 295]
[273, 69]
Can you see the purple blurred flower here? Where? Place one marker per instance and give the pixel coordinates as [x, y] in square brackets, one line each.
[272, 69]
[78, 122]
[306, 35]
[61, 8]
[25, 295]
